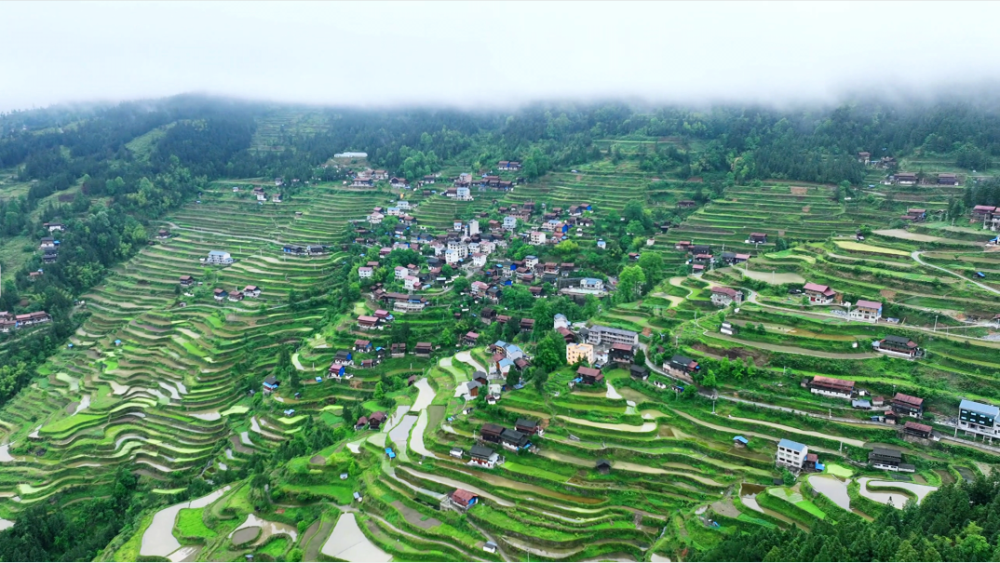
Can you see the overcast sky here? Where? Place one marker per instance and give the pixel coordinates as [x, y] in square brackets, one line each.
[490, 54]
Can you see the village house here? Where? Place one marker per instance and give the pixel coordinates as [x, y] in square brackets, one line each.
[603, 466]
[681, 366]
[29, 319]
[270, 384]
[536, 237]
[638, 372]
[888, 460]
[375, 218]
[978, 419]
[723, 296]
[592, 285]
[589, 376]
[484, 457]
[362, 182]
[220, 294]
[791, 455]
[235, 296]
[512, 165]
[411, 283]
[366, 322]
[819, 294]
[397, 349]
[580, 352]
[365, 272]
[216, 257]
[362, 346]
[908, 405]
[470, 338]
[186, 281]
[621, 353]
[490, 432]
[947, 179]
[514, 441]
[905, 178]
[899, 346]
[251, 291]
[423, 349]
[757, 238]
[376, 420]
[686, 204]
[462, 499]
[866, 311]
[604, 335]
[527, 427]
[918, 430]
[864, 158]
[831, 387]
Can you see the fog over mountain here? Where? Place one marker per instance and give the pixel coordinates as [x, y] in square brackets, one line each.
[493, 54]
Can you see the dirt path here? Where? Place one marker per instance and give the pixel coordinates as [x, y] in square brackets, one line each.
[793, 349]
[916, 256]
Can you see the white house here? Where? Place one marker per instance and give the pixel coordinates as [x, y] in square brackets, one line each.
[530, 261]
[401, 272]
[509, 223]
[536, 237]
[219, 257]
[411, 283]
[867, 311]
[592, 284]
[473, 227]
[791, 454]
[560, 321]
[479, 260]
[365, 272]
[376, 218]
[463, 194]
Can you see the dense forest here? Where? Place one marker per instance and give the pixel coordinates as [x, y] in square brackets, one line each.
[957, 523]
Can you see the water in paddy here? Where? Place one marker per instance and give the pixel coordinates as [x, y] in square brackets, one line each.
[348, 543]
[832, 488]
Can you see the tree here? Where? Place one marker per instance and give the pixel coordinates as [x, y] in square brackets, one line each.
[461, 285]
[513, 378]
[640, 357]
[379, 392]
[550, 354]
[630, 284]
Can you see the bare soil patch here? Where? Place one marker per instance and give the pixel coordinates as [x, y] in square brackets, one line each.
[414, 517]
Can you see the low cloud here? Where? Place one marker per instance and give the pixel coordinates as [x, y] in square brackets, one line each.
[484, 55]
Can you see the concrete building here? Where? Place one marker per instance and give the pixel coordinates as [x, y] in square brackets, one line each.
[978, 419]
[791, 454]
[606, 336]
[578, 352]
[723, 296]
[866, 311]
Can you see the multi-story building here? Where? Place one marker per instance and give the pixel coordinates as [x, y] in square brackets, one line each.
[978, 419]
[606, 336]
[867, 311]
[791, 454]
[578, 352]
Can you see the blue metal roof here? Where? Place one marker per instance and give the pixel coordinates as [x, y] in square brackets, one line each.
[988, 410]
[741, 440]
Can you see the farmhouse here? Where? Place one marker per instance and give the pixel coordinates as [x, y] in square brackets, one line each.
[791, 454]
[470, 338]
[218, 257]
[866, 311]
[514, 440]
[900, 346]
[905, 178]
[686, 204]
[947, 179]
[681, 366]
[484, 456]
[186, 281]
[621, 353]
[589, 376]
[831, 387]
[251, 291]
[889, 460]
[757, 238]
[220, 294]
[365, 272]
[908, 405]
[723, 296]
[462, 499]
[362, 346]
[490, 432]
[366, 322]
[376, 420]
[423, 349]
[918, 430]
[527, 426]
[270, 384]
[397, 350]
[819, 294]
[978, 419]
[638, 372]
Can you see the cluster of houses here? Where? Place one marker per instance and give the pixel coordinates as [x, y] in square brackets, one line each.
[797, 458]
[701, 257]
[912, 179]
[307, 250]
[863, 310]
[262, 197]
[988, 215]
[219, 294]
[9, 322]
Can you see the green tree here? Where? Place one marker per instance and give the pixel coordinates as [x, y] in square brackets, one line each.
[550, 354]
[630, 284]
[640, 357]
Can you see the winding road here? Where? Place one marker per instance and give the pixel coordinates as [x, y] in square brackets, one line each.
[916, 256]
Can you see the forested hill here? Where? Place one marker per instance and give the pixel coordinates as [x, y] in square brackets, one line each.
[957, 523]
